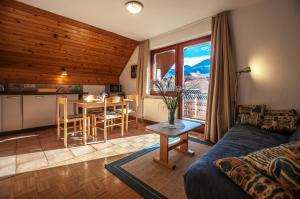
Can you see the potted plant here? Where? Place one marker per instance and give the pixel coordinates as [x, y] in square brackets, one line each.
[171, 97]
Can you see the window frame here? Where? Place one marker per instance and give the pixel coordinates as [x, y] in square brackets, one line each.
[178, 47]
[152, 69]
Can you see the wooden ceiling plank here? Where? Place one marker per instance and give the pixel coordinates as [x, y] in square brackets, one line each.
[48, 17]
[13, 28]
[17, 57]
[76, 56]
[36, 44]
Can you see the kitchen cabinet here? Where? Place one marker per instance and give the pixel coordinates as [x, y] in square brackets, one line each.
[11, 112]
[30, 111]
[39, 110]
[70, 104]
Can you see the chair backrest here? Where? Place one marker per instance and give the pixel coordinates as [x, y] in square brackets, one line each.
[110, 100]
[62, 101]
[135, 99]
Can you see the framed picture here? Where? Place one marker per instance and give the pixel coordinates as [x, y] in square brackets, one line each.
[133, 71]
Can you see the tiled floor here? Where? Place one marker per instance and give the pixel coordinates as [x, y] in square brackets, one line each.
[53, 171]
[40, 150]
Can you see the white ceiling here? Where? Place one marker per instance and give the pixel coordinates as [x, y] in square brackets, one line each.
[157, 17]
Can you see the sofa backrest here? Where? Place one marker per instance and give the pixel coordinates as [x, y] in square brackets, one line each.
[295, 136]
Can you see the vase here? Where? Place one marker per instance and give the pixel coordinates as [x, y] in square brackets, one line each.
[171, 117]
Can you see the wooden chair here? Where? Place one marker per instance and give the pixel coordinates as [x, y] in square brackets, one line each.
[108, 119]
[131, 110]
[65, 119]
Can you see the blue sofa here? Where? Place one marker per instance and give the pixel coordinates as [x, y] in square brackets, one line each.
[203, 181]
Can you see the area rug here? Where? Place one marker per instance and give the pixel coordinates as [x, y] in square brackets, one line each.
[152, 180]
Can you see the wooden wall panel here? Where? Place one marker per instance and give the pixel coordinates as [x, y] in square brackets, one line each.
[36, 44]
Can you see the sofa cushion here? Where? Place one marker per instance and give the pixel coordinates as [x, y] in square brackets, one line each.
[251, 114]
[250, 180]
[280, 120]
[280, 163]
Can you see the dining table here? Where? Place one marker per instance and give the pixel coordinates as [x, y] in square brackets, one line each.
[92, 104]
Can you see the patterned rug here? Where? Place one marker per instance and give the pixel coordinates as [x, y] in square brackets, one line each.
[152, 180]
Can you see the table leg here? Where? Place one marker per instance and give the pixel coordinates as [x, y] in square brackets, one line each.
[74, 126]
[163, 158]
[126, 122]
[184, 148]
[89, 126]
[84, 123]
[127, 117]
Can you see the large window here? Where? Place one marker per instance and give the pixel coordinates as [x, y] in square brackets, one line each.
[185, 64]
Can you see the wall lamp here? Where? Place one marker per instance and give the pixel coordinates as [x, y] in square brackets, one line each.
[64, 72]
[246, 69]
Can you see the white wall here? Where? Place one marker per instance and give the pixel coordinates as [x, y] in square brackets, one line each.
[191, 31]
[267, 38]
[155, 110]
[93, 89]
[128, 84]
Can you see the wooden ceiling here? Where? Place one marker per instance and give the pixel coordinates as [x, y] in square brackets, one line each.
[35, 45]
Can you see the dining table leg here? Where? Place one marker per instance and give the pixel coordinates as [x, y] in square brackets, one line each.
[127, 117]
[84, 123]
[105, 129]
[89, 126]
[122, 123]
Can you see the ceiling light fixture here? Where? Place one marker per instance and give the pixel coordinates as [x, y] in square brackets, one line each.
[134, 7]
[64, 72]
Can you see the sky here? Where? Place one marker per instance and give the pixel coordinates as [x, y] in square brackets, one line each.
[198, 50]
[196, 54]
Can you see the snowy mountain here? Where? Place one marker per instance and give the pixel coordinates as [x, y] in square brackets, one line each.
[202, 68]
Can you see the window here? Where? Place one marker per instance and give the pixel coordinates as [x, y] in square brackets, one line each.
[196, 68]
[163, 68]
[185, 64]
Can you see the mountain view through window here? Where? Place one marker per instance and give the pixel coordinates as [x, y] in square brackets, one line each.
[196, 68]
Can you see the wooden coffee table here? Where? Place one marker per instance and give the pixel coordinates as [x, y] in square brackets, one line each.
[181, 145]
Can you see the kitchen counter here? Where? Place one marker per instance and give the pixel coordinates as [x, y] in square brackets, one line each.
[33, 93]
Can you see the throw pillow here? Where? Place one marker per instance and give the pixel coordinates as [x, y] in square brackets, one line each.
[282, 163]
[280, 120]
[286, 171]
[251, 114]
[250, 180]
